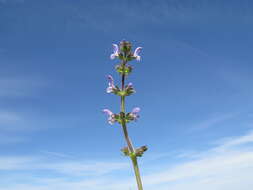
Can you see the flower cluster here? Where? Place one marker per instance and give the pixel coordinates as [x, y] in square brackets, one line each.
[120, 118]
[128, 90]
[138, 152]
[125, 49]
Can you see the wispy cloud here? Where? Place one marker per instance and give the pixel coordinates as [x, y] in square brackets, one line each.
[14, 127]
[19, 87]
[56, 154]
[12, 1]
[7, 138]
[230, 168]
[212, 168]
[234, 142]
[10, 124]
[8, 117]
[160, 12]
[214, 120]
[74, 168]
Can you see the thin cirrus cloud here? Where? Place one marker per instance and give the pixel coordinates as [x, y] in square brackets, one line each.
[11, 139]
[14, 122]
[159, 12]
[12, 1]
[11, 124]
[19, 87]
[226, 165]
[66, 165]
[9, 117]
[214, 120]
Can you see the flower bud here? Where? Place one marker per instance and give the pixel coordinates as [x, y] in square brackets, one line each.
[139, 151]
[125, 151]
[134, 114]
[129, 89]
[125, 47]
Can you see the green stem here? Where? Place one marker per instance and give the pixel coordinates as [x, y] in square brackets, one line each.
[137, 172]
[129, 143]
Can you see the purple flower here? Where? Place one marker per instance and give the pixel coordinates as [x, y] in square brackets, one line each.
[115, 51]
[111, 116]
[130, 85]
[129, 89]
[111, 86]
[134, 113]
[136, 53]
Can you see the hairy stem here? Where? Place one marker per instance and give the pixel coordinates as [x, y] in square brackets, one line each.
[137, 172]
[129, 143]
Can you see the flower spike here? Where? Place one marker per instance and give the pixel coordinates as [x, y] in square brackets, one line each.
[136, 53]
[115, 51]
[123, 52]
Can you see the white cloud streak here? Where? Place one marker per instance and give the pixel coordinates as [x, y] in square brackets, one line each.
[214, 120]
[73, 168]
[228, 165]
[19, 87]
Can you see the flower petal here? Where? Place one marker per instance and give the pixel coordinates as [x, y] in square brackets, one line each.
[108, 112]
[115, 48]
[115, 51]
[137, 51]
[136, 110]
[111, 86]
[109, 89]
[130, 85]
[111, 81]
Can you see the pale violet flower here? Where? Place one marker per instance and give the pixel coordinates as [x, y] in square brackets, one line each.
[130, 85]
[129, 89]
[111, 116]
[111, 86]
[115, 51]
[134, 113]
[136, 53]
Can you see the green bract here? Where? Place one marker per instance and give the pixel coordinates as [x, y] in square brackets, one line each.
[116, 90]
[123, 69]
[139, 151]
[129, 90]
[125, 151]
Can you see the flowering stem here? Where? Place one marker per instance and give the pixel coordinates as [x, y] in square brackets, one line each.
[129, 143]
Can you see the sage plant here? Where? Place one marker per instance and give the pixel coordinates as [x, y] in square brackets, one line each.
[123, 52]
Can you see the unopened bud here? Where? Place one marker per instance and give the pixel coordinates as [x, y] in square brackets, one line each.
[125, 151]
[139, 151]
[125, 47]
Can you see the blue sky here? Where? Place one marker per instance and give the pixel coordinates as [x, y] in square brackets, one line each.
[194, 88]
